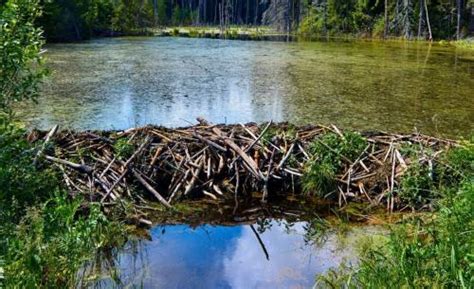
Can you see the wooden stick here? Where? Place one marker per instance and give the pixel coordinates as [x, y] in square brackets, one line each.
[150, 189]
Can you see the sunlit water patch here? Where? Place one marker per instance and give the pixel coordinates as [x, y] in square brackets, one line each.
[276, 254]
[124, 82]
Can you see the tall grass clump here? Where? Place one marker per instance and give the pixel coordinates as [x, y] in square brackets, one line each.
[53, 241]
[330, 153]
[434, 250]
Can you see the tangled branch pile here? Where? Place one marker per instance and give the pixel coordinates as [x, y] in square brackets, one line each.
[234, 161]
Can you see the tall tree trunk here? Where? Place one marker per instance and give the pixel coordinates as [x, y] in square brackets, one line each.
[420, 17]
[428, 21]
[458, 22]
[256, 13]
[385, 28]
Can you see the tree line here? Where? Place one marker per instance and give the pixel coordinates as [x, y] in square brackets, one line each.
[427, 19]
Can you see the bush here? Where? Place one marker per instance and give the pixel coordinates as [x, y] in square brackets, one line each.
[423, 182]
[328, 154]
[20, 42]
[312, 24]
[379, 27]
[21, 182]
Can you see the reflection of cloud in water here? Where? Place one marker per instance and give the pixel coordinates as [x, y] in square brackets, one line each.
[227, 257]
[186, 258]
[292, 264]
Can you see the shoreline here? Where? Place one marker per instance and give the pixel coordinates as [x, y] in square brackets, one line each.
[265, 33]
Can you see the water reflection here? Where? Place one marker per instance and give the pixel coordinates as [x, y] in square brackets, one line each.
[179, 256]
[124, 82]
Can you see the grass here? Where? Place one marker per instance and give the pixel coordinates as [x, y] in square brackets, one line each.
[464, 43]
[123, 148]
[53, 241]
[435, 250]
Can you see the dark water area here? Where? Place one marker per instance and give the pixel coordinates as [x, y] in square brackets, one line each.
[117, 83]
[209, 256]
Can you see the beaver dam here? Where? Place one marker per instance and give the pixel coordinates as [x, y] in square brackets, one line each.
[232, 163]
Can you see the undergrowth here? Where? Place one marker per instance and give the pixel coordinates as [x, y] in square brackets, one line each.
[45, 234]
[53, 241]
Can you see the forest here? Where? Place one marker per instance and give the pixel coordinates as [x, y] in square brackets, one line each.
[65, 20]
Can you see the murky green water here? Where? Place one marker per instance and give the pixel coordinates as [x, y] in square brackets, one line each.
[179, 256]
[124, 82]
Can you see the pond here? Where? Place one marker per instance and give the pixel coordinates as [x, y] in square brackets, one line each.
[271, 254]
[118, 83]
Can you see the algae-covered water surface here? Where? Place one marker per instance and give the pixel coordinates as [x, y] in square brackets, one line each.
[124, 82]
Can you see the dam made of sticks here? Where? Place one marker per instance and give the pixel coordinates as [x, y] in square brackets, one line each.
[235, 162]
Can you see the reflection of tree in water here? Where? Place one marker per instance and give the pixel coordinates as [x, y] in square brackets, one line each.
[105, 271]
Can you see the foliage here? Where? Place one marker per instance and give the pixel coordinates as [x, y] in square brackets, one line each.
[313, 24]
[20, 42]
[429, 252]
[81, 19]
[53, 241]
[417, 185]
[329, 154]
[367, 17]
[466, 43]
[423, 182]
[123, 148]
[21, 182]
[45, 237]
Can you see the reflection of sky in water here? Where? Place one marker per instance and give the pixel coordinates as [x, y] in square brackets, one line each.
[124, 82]
[228, 257]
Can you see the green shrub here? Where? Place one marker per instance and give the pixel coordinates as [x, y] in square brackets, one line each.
[21, 182]
[123, 149]
[312, 24]
[417, 187]
[423, 182]
[20, 60]
[379, 27]
[329, 155]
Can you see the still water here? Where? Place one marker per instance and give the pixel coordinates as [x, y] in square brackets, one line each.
[179, 256]
[123, 82]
